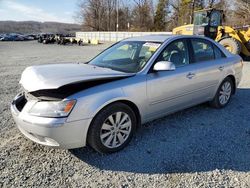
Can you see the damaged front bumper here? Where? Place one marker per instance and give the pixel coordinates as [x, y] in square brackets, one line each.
[55, 132]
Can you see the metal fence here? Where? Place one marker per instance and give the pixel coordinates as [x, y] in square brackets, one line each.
[113, 36]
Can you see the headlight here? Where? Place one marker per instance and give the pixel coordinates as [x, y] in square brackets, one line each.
[52, 109]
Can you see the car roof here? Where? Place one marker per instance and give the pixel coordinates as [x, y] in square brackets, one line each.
[162, 37]
[151, 38]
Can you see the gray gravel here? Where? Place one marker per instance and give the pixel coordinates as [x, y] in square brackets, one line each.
[197, 147]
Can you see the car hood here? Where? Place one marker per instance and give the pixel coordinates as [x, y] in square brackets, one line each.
[57, 75]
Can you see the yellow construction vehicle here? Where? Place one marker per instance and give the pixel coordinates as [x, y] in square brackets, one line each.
[208, 23]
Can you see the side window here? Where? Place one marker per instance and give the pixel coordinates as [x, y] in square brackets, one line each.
[176, 52]
[203, 50]
[218, 53]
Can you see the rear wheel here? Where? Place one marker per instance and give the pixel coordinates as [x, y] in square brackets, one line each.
[232, 45]
[247, 44]
[223, 94]
[112, 128]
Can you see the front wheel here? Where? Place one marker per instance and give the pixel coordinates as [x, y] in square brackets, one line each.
[223, 95]
[112, 128]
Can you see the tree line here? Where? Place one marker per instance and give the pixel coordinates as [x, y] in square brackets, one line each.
[151, 15]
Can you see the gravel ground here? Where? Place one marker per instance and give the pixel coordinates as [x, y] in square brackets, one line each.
[197, 147]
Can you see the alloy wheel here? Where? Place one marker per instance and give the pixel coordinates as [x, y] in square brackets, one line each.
[115, 130]
[225, 93]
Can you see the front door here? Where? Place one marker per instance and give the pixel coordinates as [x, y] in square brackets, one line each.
[172, 90]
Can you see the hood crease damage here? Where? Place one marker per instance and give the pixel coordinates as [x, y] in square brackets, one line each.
[67, 90]
[58, 81]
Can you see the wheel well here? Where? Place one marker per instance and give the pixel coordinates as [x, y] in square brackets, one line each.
[234, 82]
[134, 108]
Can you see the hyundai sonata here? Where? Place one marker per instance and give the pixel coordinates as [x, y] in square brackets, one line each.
[103, 101]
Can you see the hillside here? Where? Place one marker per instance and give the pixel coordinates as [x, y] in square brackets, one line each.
[26, 27]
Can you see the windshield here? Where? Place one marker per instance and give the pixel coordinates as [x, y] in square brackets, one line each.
[201, 18]
[126, 56]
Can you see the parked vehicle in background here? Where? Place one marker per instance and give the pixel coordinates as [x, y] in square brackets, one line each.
[16, 37]
[62, 39]
[29, 37]
[12, 37]
[102, 102]
[50, 39]
[44, 37]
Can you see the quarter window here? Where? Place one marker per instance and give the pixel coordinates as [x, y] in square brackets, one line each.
[218, 53]
[203, 50]
[176, 52]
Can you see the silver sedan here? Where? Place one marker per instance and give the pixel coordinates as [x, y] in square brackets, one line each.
[102, 102]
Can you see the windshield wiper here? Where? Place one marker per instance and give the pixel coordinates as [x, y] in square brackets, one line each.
[112, 68]
[107, 67]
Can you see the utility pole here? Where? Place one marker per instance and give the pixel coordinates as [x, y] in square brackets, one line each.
[117, 15]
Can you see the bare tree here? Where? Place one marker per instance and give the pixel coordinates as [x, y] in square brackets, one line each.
[211, 3]
[100, 15]
[142, 15]
[243, 11]
[110, 7]
[93, 13]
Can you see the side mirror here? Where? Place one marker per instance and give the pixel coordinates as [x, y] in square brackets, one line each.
[164, 66]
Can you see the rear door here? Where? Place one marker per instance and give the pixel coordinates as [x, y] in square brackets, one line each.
[208, 65]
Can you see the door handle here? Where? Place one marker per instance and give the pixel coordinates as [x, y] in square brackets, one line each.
[190, 75]
[221, 68]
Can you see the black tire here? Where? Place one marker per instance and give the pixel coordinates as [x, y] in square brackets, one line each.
[247, 44]
[232, 45]
[94, 133]
[216, 103]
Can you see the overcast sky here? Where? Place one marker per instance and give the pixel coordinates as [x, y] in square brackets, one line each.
[38, 10]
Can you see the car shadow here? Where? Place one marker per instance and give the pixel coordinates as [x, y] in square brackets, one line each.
[198, 139]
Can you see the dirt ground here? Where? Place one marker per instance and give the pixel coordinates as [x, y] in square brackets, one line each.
[197, 147]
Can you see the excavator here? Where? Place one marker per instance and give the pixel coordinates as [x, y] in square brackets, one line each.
[208, 22]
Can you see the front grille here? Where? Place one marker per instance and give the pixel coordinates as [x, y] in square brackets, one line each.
[22, 99]
[20, 103]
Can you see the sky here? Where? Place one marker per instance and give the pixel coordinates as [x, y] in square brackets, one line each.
[38, 10]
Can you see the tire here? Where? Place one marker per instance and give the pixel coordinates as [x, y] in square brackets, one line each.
[218, 101]
[232, 45]
[247, 44]
[107, 137]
